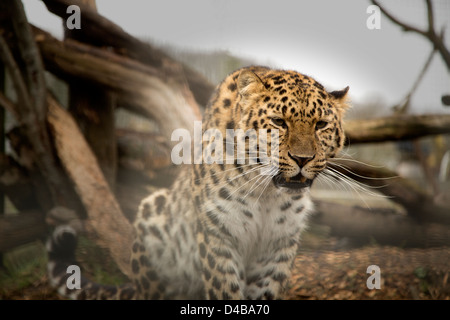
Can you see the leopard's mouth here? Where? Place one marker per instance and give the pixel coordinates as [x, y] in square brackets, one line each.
[296, 182]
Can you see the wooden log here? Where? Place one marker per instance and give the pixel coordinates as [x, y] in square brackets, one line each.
[142, 86]
[22, 228]
[35, 179]
[364, 226]
[110, 225]
[101, 32]
[27, 77]
[125, 75]
[399, 127]
[143, 151]
[93, 108]
[16, 185]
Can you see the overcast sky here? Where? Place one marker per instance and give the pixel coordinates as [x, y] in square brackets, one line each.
[326, 39]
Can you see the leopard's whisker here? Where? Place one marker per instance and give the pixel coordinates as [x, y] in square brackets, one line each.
[262, 176]
[331, 160]
[344, 167]
[235, 190]
[250, 171]
[345, 152]
[349, 183]
[354, 184]
[261, 179]
[226, 170]
[326, 179]
[268, 179]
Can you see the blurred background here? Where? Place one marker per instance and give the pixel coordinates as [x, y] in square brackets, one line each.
[131, 72]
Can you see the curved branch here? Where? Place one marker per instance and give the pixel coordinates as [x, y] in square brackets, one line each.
[402, 107]
[430, 34]
[406, 27]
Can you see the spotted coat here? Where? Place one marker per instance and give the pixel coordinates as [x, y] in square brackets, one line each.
[230, 230]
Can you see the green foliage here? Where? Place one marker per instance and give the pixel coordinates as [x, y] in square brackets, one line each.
[24, 275]
[23, 267]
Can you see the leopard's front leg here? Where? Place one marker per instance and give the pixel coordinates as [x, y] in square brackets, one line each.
[222, 272]
[269, 274]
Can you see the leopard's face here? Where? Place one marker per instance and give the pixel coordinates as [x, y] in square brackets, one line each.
[306, 118]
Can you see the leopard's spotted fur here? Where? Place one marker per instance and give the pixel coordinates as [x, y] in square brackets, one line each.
[224, 231]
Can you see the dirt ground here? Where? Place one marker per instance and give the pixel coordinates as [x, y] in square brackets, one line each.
[404, 274]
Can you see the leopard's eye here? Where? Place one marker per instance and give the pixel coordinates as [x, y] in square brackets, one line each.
[321, 124]
[279, 122]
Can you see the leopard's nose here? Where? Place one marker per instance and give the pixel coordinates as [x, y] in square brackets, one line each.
[301, 160]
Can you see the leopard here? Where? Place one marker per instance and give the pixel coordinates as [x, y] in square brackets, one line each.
[230, 229]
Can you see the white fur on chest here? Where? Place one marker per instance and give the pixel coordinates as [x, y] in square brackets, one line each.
[258, 225]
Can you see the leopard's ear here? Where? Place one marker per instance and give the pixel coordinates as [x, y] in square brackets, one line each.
[340, 94]
[249, 83]
[342, 98]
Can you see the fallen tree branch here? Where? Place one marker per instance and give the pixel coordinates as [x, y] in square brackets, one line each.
[365, 226]
[22, 228]
[141, 86]
[111, 227]
[400, 127]
[99, 31]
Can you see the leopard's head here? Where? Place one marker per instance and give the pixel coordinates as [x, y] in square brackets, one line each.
[307, 119]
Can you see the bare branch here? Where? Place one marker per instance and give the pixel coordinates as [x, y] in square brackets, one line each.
[406, 27]
[430, 34]
[403, 106]
[430, 16]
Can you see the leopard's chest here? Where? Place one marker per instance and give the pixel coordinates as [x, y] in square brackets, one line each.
[258, 224]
